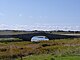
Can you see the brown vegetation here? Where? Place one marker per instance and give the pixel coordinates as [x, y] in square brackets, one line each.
[55, 47]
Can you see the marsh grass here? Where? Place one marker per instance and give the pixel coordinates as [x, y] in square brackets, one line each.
[59, 47]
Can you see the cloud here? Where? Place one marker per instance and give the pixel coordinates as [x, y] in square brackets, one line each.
[38, 26]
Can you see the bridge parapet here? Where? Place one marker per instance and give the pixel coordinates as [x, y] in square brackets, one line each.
[27, 37]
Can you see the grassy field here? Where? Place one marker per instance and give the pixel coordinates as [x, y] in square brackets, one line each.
[50, 57]
[58, 49]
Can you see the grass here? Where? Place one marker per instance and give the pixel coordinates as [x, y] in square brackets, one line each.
[43, 49]
[50, 57]
[10, 40]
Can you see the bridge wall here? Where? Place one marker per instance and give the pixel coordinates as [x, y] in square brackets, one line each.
[27, 37]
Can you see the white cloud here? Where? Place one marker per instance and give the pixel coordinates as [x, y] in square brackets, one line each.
[38, 27]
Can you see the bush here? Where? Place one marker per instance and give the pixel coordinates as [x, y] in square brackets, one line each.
[52, 59]
[44, 45]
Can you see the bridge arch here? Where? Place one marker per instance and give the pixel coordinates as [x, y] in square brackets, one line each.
[39, 38]
[27, 37]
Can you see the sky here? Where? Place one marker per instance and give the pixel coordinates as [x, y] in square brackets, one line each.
[40, 14]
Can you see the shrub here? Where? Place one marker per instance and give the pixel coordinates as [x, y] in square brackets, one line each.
[52, 58]
[44, 45]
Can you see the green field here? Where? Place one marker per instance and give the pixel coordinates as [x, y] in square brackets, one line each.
[50, 57]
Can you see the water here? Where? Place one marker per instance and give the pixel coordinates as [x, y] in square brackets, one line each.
[39, 38]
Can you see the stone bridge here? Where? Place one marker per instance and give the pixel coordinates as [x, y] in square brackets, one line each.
[27, 37]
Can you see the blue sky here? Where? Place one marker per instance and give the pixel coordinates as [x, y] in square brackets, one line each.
[34, 12]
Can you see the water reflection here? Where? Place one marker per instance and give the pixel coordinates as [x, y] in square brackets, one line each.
[39, 38]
